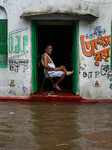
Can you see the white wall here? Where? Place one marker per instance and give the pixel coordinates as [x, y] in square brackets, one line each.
[90, 73]
[21, 76]
[3, 14]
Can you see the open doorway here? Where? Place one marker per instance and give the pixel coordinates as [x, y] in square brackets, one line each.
[61, 38]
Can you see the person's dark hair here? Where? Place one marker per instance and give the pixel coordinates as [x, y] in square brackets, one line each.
[47, 46]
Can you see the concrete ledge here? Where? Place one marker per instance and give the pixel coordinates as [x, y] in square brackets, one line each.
[54, 97]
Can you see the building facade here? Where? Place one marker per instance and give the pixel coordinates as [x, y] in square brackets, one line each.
[82, 30]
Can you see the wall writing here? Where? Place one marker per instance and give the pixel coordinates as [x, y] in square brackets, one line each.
[104, 71]
[95, 31]
[17, 48]
[14, 64]
[96, 44]
[90, 48]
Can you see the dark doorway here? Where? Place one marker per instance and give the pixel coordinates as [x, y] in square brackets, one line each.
[61, 38]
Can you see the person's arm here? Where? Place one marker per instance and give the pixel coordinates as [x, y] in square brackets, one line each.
[45, 59]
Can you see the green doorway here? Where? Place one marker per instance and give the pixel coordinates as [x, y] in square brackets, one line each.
[63, 37]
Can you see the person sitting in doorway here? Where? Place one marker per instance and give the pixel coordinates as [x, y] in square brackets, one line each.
[52, 70]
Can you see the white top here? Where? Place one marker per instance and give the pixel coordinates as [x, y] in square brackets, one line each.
[49, 64]
[51, 73]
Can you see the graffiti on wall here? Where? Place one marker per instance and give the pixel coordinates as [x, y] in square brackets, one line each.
[96, 44]
[14, 64]
[94, 41]
[90, 48]
[88, 74]
[95, 32]
[104, 71]
[17, 48]
[91, 74]
[18, 44]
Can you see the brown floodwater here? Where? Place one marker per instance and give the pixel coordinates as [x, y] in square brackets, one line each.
[55, 126]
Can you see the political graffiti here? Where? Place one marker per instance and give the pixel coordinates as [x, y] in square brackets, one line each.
[14, 64]
[97, 45]
[95, 31]
[17, 48]
[18, 61]
[90, 48]
[97, 73]
[104, 71]
[89, 74]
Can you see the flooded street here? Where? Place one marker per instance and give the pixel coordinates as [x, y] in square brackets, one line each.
[60, 126]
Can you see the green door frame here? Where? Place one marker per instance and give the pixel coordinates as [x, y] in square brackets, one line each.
[35, 54]
[75, 58]
[34, 57]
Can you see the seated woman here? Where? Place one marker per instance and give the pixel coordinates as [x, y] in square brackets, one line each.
[52, 70]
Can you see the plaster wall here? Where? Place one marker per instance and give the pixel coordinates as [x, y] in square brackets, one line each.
[3, 14]
[95, 79]
[16, 78]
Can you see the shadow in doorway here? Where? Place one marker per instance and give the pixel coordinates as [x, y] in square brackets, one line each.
[61, 38]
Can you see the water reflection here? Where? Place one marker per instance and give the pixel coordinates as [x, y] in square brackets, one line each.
[41, 126]
[55, 126]
[96, 126]
[15, 126]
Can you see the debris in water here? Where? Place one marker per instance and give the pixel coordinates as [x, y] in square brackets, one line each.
[11, 113]
[63, 144]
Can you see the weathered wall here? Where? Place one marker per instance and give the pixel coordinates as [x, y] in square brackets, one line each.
[3, 14]
[95, 79]
[94, 58]
[16, 79]
[59, 6]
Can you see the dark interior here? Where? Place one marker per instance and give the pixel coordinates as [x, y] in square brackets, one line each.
[61, 38]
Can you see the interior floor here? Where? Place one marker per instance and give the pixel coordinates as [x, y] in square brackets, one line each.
[61, 38]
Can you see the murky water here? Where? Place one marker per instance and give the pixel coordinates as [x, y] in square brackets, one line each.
[60, 126]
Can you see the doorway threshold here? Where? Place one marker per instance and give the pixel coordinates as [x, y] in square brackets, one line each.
[48, 96]
[53, 96]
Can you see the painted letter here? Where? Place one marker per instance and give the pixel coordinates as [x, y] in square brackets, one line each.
[18, 47]
[89, 44]
[11, 42]
[25, 42]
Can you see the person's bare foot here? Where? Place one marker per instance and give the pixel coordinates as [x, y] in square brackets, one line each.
[69, 73]
[57, 87]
